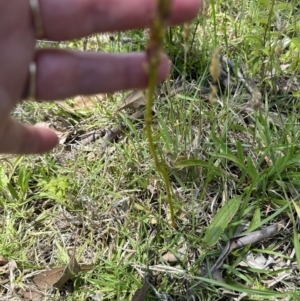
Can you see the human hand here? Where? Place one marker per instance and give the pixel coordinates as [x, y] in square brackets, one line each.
[61, 73]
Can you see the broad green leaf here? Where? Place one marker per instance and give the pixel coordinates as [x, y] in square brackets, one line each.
[4, 180]
[265, 3]
[296, 42]
[12, 191]
[296, 94]
[231, 158]
[283, 6]
[221, 221]
[255, 64]
[197, 162]
[262, 20]
[256, 38]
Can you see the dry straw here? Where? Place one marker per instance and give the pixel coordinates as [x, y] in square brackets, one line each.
[215, 72]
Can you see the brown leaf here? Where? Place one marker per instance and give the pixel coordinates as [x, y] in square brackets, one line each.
[86, 102]
[81, 103]
[141, 293]
[57, 277]
[134, 100]
[49, 278]
[33, 295]
[3, 261]
[170, 257]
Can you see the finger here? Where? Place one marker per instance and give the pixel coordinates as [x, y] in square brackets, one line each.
[62, 74]
[18, 138]
[70, 19]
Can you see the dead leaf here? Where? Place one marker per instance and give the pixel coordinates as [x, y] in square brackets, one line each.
[134, 100]
[141, 293]
[33, 295]
[81, 104]
[62, 137]
[170, 257]
[86, 102]
[57, 277]
[4, 270]
[257, 261]
[50, 278]
[3, 261]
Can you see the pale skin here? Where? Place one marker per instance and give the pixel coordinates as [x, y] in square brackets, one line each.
[62, 74]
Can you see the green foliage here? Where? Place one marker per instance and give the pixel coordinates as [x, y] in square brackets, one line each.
[221, 221]
[54, 188]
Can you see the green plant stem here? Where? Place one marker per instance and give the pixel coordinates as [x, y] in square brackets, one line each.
[154, 51]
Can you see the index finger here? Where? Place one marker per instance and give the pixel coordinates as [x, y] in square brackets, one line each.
[71, 19]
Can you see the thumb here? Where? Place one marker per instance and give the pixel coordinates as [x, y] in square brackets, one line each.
[19, 138]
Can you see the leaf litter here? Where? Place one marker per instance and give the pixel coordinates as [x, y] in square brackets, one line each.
[55, 277]
[134, 100]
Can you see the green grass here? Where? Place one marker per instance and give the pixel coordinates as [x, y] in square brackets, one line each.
[228, 175]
